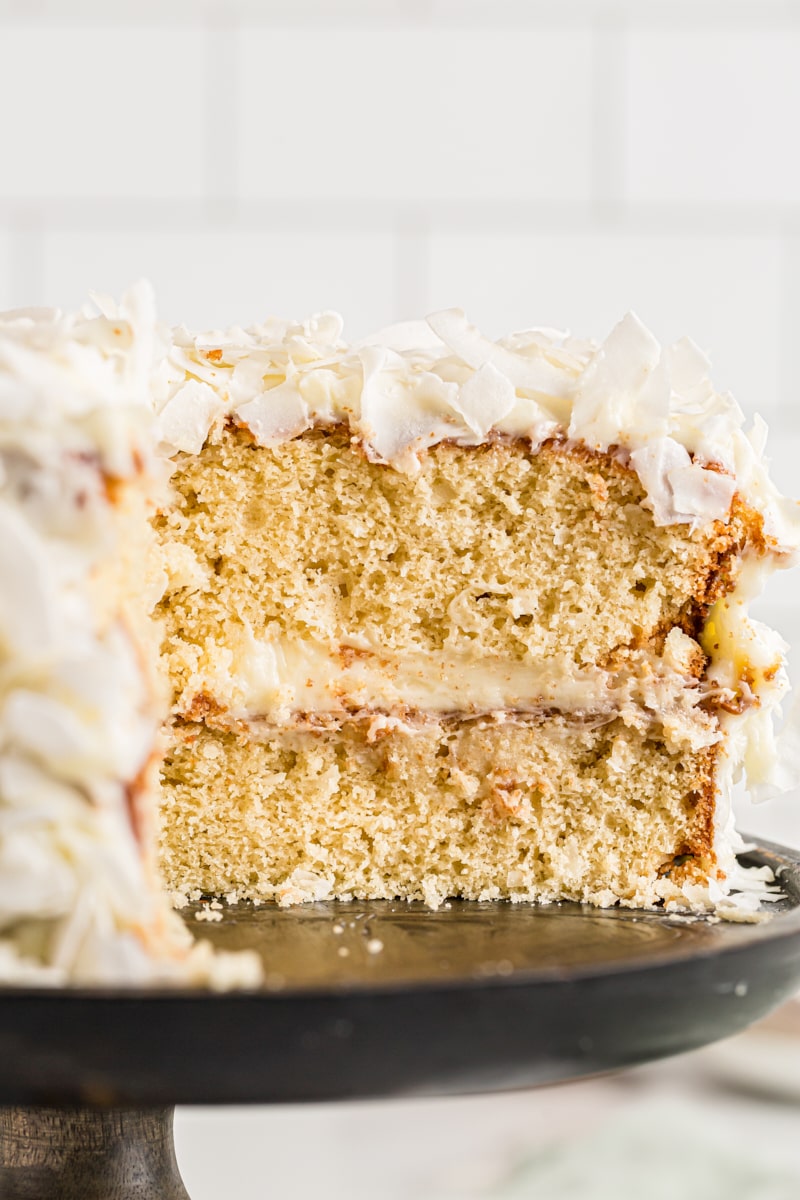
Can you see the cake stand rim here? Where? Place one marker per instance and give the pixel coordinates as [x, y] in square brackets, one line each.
[441, 1036]
[781, 925]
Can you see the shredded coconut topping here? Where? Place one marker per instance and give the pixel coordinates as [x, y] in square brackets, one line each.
[413, 385]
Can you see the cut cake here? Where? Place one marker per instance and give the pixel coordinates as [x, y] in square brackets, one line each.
[437, 617]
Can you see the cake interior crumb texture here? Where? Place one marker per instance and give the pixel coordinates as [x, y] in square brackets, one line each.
[497, 554]
[491, 551]
[541, 810]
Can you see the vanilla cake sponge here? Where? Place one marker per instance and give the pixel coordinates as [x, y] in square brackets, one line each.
[447, 617]
[542, 808]
[452, 651]
[488, 554]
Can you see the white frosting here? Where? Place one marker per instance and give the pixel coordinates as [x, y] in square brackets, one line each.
[748, 669]
[79, 897]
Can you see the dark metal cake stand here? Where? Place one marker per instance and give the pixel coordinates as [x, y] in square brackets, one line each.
[381, 999]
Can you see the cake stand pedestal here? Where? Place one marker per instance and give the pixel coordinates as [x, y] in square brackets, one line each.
[88, 1154]
[367, 1000]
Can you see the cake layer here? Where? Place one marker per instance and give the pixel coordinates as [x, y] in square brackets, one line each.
[487, 553]
[524, 809]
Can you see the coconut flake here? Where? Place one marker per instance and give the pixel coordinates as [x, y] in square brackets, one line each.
[402, 415]
[324, 328]
[654, 463]
[623, 395]
[412, 336]
[249, 376]
[678, 490]
[689, 376]
[50, 732]
[529, 373]
[485, 398]
[757, 436]
[28, 599]
[186, 419]
[276, 415]
[701, 494]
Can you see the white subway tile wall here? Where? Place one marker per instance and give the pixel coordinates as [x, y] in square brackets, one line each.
[7, 297]
[535, 161]
[207, 276]
[706, 118]
[416, 115]
[705, 284]
[102, 113]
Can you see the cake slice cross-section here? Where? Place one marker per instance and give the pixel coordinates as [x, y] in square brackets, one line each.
[447, 617]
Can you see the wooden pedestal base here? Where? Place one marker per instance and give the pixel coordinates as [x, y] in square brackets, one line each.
[88, 1154]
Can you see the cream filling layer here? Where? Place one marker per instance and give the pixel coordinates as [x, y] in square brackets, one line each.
[283, 681]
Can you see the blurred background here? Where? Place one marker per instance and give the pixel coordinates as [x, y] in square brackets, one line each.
[549, 162]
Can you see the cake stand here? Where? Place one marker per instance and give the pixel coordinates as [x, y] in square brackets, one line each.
[367, 1000]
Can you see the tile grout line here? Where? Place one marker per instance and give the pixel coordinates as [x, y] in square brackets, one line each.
[608, 116]
[665, 15]
[411, 264]
[222, 160]
[332, 214]
[26, 267]
[789, 302]
[411, 12]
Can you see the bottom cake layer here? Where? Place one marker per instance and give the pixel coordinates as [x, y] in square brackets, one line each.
[524, 809]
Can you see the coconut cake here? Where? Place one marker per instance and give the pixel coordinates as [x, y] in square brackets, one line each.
[286, 618]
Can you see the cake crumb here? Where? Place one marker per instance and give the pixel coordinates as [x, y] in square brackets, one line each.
[209, 914]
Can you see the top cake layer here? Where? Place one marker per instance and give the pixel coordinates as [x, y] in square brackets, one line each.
[301, 580]
[414, 386]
